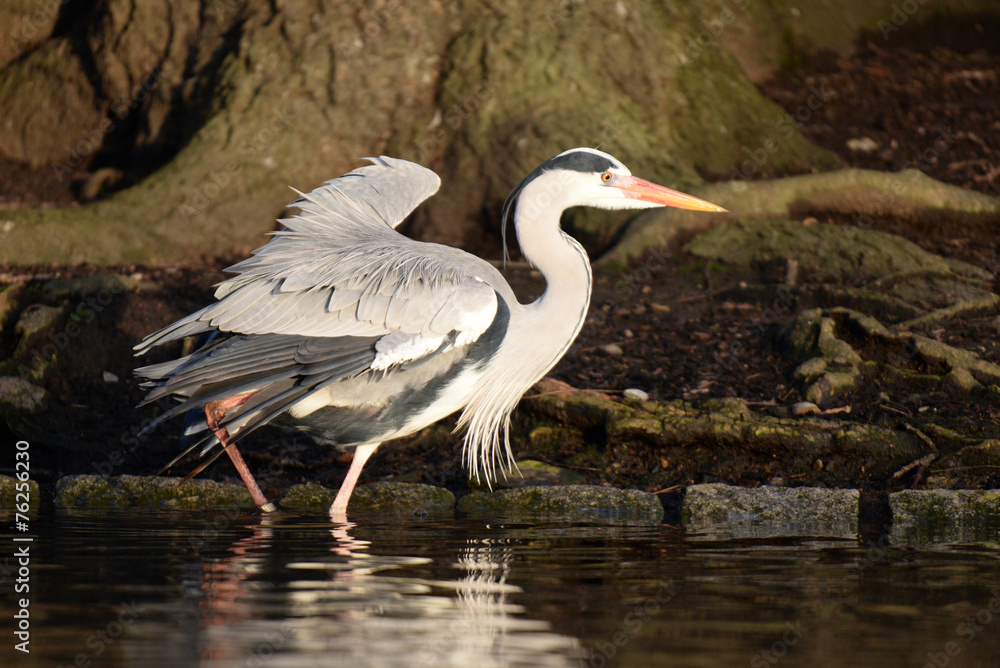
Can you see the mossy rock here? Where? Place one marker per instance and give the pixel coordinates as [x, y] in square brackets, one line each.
[946, 507]
[383, 497]
[11, 297]
[718, 508]
[570, 503]
[20, 396]
[93, 491]
[726, 439]
[8, 494]
[826, 253]
[59, 289]
[530, 473]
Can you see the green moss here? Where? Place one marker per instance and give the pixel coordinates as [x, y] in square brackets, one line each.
[383, 497]
[945, 507]
[92, 491]
[571, 503]
[9, 489]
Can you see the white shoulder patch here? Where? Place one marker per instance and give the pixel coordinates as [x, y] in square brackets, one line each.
[468, 312]
[400, 346]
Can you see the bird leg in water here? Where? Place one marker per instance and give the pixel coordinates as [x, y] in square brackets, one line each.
[214, 411]
[338, 511]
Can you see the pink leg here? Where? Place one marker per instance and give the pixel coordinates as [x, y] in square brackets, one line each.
[214, 411]
[338, 511]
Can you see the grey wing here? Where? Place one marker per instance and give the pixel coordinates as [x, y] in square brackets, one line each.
[338, 268]
[382, 193]
[340, 281]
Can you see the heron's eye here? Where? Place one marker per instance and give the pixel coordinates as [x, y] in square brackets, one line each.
[606, 176]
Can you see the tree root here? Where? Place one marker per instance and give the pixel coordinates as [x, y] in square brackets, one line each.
[857, 192]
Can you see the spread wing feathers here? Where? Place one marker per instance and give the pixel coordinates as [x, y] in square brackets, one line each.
[340, 269]
[283, 368]
[383, 193]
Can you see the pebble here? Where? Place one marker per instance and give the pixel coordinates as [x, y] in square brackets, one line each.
[634, 393]
[613, 349]
[110, 377]
[862, 144]
[805, 408]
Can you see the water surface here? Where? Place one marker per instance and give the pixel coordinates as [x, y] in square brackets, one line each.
[228, 588]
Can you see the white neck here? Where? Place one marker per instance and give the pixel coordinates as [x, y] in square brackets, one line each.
[556, 317]
[538, 333]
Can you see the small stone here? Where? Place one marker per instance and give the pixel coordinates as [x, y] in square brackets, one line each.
[613, 349]
[805, 408]
[634, 393]
[700, 336]
[21, 395]
[109, 377]
[862, 144]
[629, 334]
[659, 308]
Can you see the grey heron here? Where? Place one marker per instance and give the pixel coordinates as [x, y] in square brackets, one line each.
[342, 327]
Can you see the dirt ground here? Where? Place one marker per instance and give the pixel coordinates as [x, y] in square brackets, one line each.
[671, 326]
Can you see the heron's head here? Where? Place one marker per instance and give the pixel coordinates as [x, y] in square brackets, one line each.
[588, 177]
